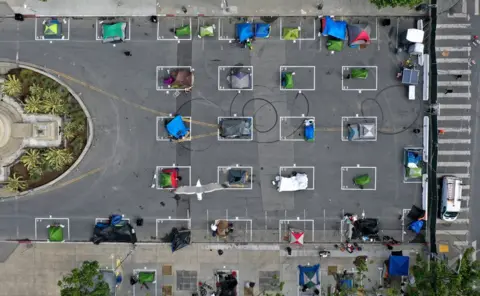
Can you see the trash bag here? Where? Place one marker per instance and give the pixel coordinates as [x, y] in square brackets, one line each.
[362, 180]
[180, 239]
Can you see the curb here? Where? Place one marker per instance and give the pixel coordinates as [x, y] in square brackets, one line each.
[45, 72]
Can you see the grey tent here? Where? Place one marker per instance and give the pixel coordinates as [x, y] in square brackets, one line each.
[236, 128]
[240, 80]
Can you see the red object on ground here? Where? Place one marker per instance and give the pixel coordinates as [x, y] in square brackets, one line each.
[173, 175]
[441, 131]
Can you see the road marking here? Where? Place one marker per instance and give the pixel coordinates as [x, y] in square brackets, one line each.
[452, 48]
[461, 243]
[463, 210]
[466, 197]
[454, 141]
[454, 72]
[461, 176]
[453, 118]
[476, 7]
[454, 95]
[453, 232]
[453, 164]
[454, 152]
[74, 180]
[455, 106]
[453, 26]
[456, 129]
[453, 37]
[454, 83]
[465, 187]
[452, 60]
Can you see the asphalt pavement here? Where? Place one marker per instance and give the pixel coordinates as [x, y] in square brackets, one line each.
[120, 92]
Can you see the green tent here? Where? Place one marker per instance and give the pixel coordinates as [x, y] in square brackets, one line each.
[165, 180]
[183, 31]
[207, 31]
[146, 277]
[51, 29]
[359, 73]
[55, 234]
[414, 172]
[287, 80]
[113, 32]
[335, 45]
[290, 33]
[362, 180]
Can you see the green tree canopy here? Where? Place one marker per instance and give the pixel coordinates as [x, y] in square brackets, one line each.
[396, 3]
[84, 281]
[459, 280]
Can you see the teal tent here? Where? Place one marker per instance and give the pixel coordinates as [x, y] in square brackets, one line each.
[113, 32]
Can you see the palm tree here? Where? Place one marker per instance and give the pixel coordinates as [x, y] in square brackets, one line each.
[36, 90]
[16, 183]
[32, 159]
[70, 130]
[57, 159]
[12, 87]
[53, 103]
[35, 174]
[33, 104]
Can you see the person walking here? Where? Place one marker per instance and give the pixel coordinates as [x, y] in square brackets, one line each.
[458, 77]
[448, 91]
[127, 53]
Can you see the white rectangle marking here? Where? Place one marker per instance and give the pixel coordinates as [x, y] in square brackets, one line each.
[454, 72]
[224, 68]
[454, 83]
[454, 95]
[461, 176]
[453, 164]
[458, 221]
[285, 68]
[465, 187]
[476, 7]
[282, 168]
[454, 118]
[454, 152]
[455, 106]
[466, 197]
[221, 169]
[461, 243]
[452, 60]
[453, 26]
[453, 232]
[454, 141]
[456, 129]
[452, 49]
[453, 37]
[362, 89]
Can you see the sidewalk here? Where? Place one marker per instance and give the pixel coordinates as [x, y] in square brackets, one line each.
[35, 269]
[95, 8]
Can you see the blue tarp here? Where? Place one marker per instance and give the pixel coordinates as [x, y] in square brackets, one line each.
[176, 128]
[347, 284]
[337, 29]
[398, 265]
[309, 132]
[244, 31]
[262, 30]
[416, 226]
[414, 157]
[308, 275]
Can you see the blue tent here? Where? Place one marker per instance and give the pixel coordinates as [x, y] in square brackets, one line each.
[308, 275]
[398, 265]
[262, 30]
[176, 128]
[244, 31]
[337, 29]
[416, 226]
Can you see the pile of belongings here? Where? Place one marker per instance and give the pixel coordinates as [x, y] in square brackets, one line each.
[365, 228]
[116, 229]
[414, 164]
[180, 239]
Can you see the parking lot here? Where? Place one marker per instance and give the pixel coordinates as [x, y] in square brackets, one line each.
[321, 92]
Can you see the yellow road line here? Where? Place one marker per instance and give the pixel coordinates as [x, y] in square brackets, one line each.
[112, 96]
[74, 180]
[197, 137]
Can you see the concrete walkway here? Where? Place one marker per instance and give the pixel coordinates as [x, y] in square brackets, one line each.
[204, 7]
[34, 269]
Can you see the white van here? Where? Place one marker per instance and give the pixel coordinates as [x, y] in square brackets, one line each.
[451, 198]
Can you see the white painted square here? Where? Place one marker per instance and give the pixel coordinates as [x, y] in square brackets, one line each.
[173, 23]
[181, 173]
[178, 223]
[222, 172]
[286, 134]
[300, 169]
[167, 88]
[298, 72]
[39, 35]
[41, 232]
[144, 290]
[105, 220]
[224, 33]
[347, 184]
[359, 89]
[98, 29]
[301, 27]
[240, 224]
[223, 74]
[220, 118]
[357, 119]
[162, 135]
[285, 224]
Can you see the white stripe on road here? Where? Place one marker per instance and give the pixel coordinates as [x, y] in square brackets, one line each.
[451, 61]
[454, 141]
[454, 72]
[461, 176]
[452, 118]
[451, 49]
[454, 152]
[453, 37]
[454, 83]
[453, 232]
[463, 210]
[461, 243]
[476, 7]
[455, 106]
[453, 164]
[454, 95]
[455, 129]
[466, 197]
[465, 187]
[453, 26]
